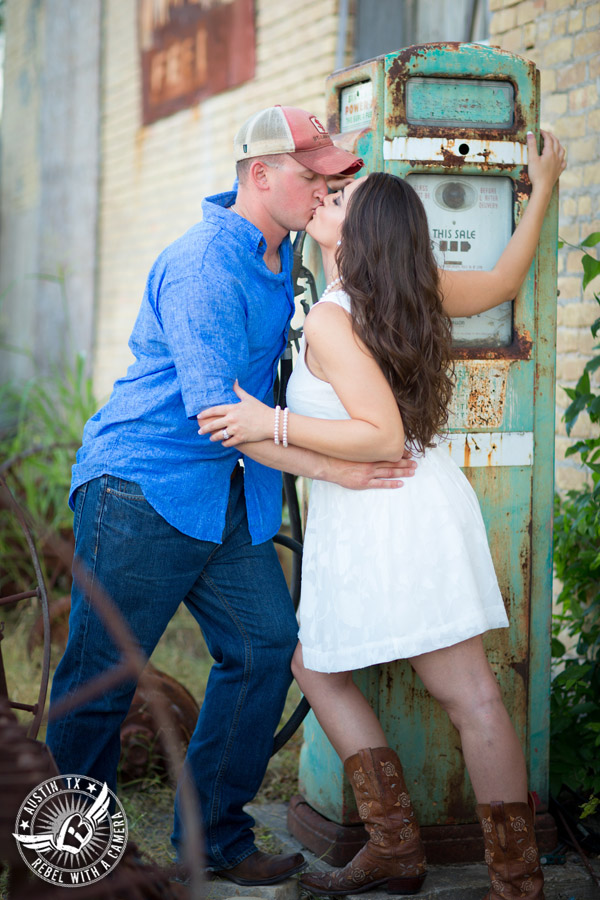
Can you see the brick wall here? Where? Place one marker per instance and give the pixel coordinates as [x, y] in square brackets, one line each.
[154, 178]
[563, 38]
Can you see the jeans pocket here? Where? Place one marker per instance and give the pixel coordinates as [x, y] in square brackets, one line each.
[80, 494]
[128, 490]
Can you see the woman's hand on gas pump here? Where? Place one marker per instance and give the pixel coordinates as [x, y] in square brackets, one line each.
[546, 167]
[238, 423]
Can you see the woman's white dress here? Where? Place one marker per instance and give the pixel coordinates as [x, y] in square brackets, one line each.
[390, 574]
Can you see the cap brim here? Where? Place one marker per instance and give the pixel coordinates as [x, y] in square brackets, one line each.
[329, 161]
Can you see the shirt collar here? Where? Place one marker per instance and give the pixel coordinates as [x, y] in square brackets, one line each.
[216, 210]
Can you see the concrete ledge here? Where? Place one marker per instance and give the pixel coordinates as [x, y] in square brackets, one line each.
[223, 890]
[450, 882]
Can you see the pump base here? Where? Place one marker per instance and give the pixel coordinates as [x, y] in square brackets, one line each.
[338, 844]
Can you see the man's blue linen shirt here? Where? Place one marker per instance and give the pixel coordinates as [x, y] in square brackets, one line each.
[212, 312]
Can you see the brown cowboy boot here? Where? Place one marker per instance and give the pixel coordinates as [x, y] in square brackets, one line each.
[393, 856]
[511, 851]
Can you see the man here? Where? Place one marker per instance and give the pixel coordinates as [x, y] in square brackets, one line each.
[163, 516]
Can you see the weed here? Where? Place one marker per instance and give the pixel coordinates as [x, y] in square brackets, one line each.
[575, 697]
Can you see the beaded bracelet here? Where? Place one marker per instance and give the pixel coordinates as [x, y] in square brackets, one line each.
[276, 429]
[285, 427]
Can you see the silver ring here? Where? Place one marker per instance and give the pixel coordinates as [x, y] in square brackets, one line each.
[226, 435]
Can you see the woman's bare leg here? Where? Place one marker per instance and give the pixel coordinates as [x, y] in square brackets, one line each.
[461, 680]
[341, 708]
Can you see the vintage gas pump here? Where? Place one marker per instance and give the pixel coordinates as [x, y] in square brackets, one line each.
[452, 119]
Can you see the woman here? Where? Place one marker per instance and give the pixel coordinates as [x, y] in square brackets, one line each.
[395, 574]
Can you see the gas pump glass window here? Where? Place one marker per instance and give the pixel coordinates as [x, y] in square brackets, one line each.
[470, 222]
[456, 101]
[356, 106]
[470, 216]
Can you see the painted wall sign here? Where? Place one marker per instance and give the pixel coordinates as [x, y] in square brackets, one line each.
[192, 49]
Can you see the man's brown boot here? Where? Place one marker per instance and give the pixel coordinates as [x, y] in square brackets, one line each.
[263, 868]
[393, 857]
[511, 851]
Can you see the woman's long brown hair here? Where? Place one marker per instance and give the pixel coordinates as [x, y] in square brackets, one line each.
[388, 269]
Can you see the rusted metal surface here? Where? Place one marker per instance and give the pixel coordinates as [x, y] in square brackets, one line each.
[24, 763]
[437, 62]
[521, 667]
[503, 396]
[334, 844]
[520, 348]
[131, 665]
[480, 394]
[37, 708]
[142, 744]
[15, 598]
[58, 613]
[142, 740]
[192, 50]
[455, 153]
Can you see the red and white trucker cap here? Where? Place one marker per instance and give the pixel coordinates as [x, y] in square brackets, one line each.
[286, 129]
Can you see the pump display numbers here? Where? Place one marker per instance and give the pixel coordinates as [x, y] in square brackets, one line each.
[356, 106]
[460, 101]
[470, 221]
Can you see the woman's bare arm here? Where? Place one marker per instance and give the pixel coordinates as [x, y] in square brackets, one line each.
[468, 293]
[374, 428]
[357, 476]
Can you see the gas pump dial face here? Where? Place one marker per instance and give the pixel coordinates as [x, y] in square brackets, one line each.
[455, 195]
[470, 221]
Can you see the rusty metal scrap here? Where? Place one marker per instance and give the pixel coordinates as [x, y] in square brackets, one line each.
[8, 501]
[142, 740]
[131, 666]
[142, 744]
[24, 763]
[58, 612]
[127, 886]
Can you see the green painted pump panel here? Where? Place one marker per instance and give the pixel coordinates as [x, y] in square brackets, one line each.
[453, 119]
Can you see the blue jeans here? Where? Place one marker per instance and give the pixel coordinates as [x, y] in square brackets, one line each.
[237, 594]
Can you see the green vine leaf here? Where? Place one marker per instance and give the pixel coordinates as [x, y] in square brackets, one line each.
[594, 363]
[575, 690]
[591, 269]
[591, 240]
